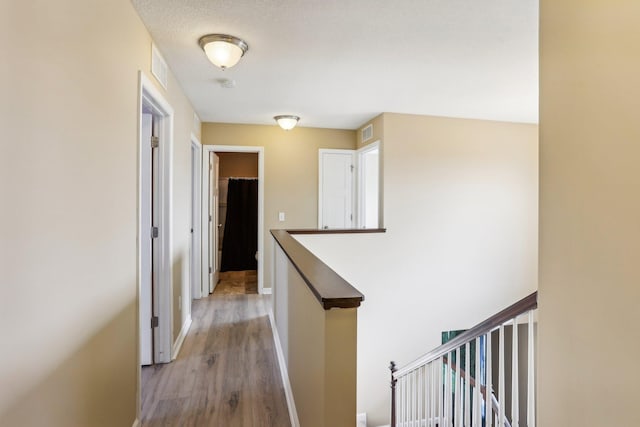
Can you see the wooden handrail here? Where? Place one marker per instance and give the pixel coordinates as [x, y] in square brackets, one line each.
[337, 231]
[331, 290]
[524, 305]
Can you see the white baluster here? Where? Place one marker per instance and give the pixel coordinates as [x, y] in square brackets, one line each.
[412, 397]
[447, 392]
[467, 381]
[476, 389]
[427, 397]
[440, 386]
[434, 396]
[415, 397]
[515, 398]
[456, 391]
[424, 394]
[501, 387]
[531, 380]
[488, 403]
[400, 401]
[420, 393]
[403, 400]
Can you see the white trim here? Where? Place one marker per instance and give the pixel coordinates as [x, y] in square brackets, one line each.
[284, 373]
[359, 181]
[180, 340]
[136, 423]
[196, 281]
[150, 95]
[206, 150]
[204, 223]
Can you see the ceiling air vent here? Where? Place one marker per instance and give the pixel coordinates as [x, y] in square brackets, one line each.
[159, 66]
[367, 133]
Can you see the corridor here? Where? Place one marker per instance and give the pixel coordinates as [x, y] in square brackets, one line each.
[226, 374]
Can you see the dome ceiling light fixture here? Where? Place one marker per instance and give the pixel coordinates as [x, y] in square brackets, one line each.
[287, 122]
[223, 50]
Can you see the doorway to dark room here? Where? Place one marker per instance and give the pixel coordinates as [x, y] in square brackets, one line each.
[238, 223]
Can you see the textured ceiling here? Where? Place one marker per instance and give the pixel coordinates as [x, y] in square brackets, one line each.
[336, 63]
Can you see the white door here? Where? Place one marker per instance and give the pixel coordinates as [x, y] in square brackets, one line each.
[195, 268]
[336, 189]
[214, 186]
[146, 266]
[155, 244]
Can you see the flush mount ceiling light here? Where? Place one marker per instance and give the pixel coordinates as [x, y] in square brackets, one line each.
[223, 51]
[287, 122]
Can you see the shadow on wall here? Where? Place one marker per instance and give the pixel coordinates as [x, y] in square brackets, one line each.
[95, 386]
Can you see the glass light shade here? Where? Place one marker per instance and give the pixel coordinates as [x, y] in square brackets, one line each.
[287, 122]
[223, 50]
[223, 54]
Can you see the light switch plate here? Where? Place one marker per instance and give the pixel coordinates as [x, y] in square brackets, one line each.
[281, 216]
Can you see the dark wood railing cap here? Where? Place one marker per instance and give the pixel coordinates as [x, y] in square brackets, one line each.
[331, 290]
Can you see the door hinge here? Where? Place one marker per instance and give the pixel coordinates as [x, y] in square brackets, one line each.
[352, 168]
[155, 142]
[154, 232]
[209, 218]
[351, 217]
[210, 271]
[192, 230]
[154, 321]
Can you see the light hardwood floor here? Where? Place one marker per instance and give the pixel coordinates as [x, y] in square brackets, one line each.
[227, 373]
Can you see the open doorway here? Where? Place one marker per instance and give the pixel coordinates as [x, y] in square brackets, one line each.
[237, 213]
[233, 190]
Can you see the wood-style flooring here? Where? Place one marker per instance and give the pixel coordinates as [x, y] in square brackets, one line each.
[237, 282]
[226, 374]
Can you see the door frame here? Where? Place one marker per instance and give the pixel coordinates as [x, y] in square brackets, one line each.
[196, 236]
[150, 97]
[360, 193]
[206, 150]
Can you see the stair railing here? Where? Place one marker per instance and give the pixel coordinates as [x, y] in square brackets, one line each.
[453, 385]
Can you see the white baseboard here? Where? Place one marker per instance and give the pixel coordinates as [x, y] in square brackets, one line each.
[136, 423]
[361, 420]
[183, 333]
[288, 392]
[267, 291]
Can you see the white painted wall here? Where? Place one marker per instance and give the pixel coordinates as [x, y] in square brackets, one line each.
[460, 209]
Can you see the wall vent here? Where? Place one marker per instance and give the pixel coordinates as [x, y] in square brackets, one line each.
[159, 67]
[367, 133]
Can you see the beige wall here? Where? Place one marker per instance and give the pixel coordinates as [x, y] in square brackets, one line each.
[291, 171]
[238, 165]
[319, 347]
[461, 203]
[589, 213]
[68, 185]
